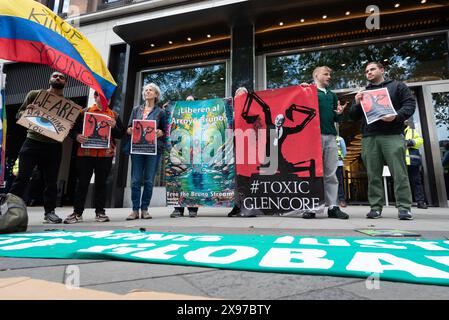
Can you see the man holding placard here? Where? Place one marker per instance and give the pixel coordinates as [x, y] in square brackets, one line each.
[383, 108]
[95, 130]
[48, 118]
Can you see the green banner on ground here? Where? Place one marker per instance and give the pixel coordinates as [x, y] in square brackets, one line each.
[406, 260]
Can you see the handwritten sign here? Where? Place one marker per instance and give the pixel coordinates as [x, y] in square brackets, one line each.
[50, 115]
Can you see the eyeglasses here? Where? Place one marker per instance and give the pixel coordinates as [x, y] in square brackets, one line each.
[60, 76]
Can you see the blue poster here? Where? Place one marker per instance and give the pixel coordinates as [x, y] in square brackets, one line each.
[199, 155]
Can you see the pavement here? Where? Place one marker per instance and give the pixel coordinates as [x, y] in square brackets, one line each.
[124, 277]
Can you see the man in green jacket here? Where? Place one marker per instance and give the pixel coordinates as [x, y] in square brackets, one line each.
[330, 112]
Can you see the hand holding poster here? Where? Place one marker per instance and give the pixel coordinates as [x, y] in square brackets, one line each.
[50, 115]
[143, 139]
[376, 104]
[97, 129]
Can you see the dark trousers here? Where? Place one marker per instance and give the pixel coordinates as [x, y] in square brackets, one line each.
[341, 188]
[85, 167]
[414, 176]
[181, 209]
[47, 156]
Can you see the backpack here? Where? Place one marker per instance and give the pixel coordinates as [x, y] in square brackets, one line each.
[13, 214]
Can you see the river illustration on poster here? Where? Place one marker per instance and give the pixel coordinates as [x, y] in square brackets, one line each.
[199, 155]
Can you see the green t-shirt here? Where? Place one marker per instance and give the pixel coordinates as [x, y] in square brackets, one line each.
[327, 103]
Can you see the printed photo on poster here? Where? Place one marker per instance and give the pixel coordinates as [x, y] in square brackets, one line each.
[97, 129]
[143, 139]
[376, 104]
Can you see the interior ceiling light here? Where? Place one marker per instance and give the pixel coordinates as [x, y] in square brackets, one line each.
[281, 24]
[170, 42]
[347, 13]
[302, 20]
[324, 17]
[397, 5]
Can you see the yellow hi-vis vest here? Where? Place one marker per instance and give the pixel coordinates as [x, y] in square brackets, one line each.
[412, 152]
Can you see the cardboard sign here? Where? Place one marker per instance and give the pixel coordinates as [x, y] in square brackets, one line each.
[97, 130]
[376, 104]
[50, 115]
[143, 139]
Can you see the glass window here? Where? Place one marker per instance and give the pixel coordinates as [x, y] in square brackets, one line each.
[411, 60]
[203, 82]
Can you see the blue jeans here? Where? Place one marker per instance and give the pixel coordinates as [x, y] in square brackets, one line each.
[143, 167]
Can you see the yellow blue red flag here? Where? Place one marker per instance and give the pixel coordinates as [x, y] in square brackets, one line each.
[31, 32]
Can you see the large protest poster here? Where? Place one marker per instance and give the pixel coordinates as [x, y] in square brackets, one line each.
[50, 115]
[376, 104]
[199, 154]
[278, 151]
[97, 130]
[143, 138]
[2, 125]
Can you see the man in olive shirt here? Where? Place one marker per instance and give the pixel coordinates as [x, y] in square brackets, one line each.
[42, 151]
[330, 112]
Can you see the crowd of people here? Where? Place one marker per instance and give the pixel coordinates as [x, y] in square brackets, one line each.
[392, 140]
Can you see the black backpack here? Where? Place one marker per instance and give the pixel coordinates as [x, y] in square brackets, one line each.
[13, 214]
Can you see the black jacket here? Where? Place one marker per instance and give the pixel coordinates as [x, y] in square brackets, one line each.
[403, 102]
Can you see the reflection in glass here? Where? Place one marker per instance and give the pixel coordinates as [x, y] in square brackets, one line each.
[205, 82]
[412, 60]
[441, 111]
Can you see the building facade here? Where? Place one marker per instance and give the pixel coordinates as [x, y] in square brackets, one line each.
[210, 48]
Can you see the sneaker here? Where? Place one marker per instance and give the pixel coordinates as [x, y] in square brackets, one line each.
[101, 217]
[133, 216]
[308, 215]
[73, 218]
[422, 205]
[51, 217]
[145, 215]
[193, 213]
[404, 214]
[234, 212]
[176, 214]
[373, 214]
[335, 212]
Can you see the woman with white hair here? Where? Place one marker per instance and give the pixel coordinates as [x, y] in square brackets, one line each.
[144, 167]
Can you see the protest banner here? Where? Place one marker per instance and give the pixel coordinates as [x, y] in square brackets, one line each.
[278, 151]
[143, 139]
[424, 261]
[199, 154]
[97, 130]
[376, 104]
[50, 115]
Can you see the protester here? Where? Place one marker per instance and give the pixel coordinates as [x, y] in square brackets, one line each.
[330, 113]
[383, 141]
[236, 211]
[42, 151]
[144, 167]
[179, 211]
[414, 163]
[90, 160]
[341, 147]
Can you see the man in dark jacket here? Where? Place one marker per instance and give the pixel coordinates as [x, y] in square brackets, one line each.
[383, 142]
[41, 151]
